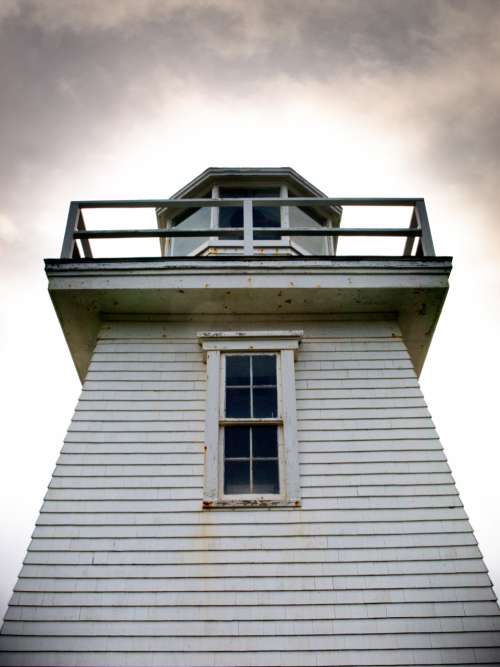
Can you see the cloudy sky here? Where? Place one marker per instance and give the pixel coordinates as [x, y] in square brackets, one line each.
[133, 98]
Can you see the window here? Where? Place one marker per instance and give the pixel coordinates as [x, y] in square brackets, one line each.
[263, 216]
[249, 433]
[265, 221]
[251, 441]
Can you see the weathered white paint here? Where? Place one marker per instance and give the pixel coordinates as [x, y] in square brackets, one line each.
[378, 567]
[211, 455]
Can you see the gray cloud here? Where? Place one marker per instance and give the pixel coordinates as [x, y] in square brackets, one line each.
[75, 73]
[73, 65]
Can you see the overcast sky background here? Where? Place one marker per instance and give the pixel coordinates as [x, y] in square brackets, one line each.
[133, 98]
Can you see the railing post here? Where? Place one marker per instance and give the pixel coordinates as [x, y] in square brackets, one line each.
[332, 242]
[285, 215]
[68, 246]
[80, 226]
[247, 227]
[214, 215]
[423, 222]
[411, 239]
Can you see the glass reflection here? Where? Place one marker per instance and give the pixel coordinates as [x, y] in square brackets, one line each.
[237, 477]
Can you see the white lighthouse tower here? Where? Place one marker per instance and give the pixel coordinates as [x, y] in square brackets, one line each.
[251, 476]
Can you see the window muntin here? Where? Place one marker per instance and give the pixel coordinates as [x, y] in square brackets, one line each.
[251, 451]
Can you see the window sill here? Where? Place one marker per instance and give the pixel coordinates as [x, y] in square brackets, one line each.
[251, 503]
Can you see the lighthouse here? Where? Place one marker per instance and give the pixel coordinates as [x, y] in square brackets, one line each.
[251, 476]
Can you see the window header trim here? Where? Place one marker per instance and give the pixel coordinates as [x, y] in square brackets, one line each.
[249, 341]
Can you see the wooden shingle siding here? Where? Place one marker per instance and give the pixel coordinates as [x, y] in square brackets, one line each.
[379, 565]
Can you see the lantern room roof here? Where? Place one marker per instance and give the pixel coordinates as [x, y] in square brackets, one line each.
[286, 175]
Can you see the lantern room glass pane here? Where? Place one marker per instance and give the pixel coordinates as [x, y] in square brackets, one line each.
[230, 217]
[230, 192]
[299, 218]
[266, 217]
[189, 219]
[263, 216]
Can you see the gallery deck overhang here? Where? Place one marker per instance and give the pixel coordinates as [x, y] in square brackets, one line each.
[85, 292]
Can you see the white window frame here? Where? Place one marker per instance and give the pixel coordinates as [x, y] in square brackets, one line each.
[284, 344]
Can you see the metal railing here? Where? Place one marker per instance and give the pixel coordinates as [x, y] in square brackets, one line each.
[418, 227]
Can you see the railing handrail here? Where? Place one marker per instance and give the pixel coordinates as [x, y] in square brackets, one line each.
[259, 201]
[419, 225]
[239, 231]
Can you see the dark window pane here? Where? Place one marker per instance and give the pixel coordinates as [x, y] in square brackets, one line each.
[237, 477]
[237, 370]
[237, 402]
[236, 441]
[264, 369]
[265, 218]
[265, 477]
[245, 193]
[265, 402]
[230, 217]
[265, 441]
